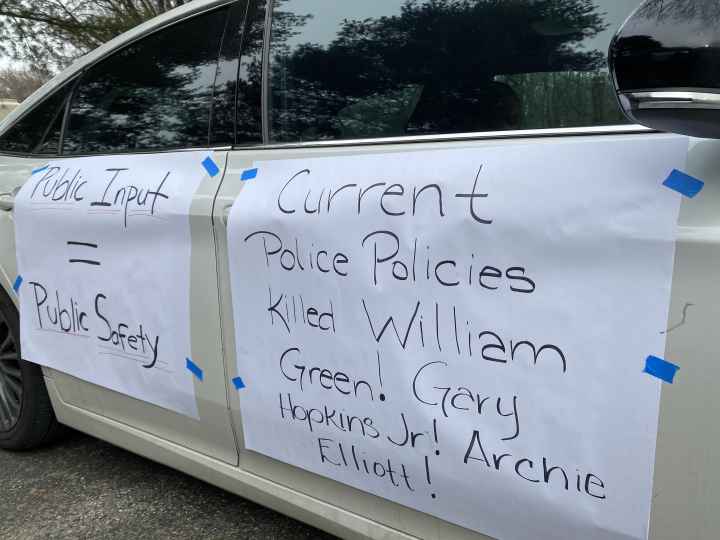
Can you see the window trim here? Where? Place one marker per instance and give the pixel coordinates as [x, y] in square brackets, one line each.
[223, 36]
[265, 75]
[59, 113]
[618, 129]
[243, 36]
[66, 113]
[621, 129]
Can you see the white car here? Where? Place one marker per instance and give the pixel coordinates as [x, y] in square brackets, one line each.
[251, 82]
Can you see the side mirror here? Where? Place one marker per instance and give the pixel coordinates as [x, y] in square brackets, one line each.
[665, 65]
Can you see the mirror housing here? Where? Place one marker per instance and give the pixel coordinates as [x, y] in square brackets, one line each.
[665, 66]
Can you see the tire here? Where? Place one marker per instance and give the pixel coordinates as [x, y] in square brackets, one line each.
[27, 419]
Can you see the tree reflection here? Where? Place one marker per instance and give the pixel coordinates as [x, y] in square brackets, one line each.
[155, 94]
[438, 66]
[680, 10]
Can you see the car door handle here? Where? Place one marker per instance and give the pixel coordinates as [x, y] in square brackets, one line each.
[7, 201]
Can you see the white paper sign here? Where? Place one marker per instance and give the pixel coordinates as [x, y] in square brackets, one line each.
[463, 331]
[103, 247]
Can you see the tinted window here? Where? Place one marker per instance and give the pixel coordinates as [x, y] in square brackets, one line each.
[153, 95]
[239, 80]
[38, 132]
[350, 69]
[50, 144]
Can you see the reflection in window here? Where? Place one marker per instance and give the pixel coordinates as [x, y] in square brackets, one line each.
[154, 94]
[238, 84]
[38, 132]
[377, 68]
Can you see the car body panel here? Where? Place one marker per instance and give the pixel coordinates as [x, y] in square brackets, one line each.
[687, 442]
[386, 514]
[212, 433]
[685, 448]
[687, 477]
[14, 171]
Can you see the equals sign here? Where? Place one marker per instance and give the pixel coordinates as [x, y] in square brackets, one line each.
[83, 261]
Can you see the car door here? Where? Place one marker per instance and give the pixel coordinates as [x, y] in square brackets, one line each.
[384, 79]
[153, 97]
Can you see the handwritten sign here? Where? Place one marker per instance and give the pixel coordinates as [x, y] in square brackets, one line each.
[103, 245]
[463, 331]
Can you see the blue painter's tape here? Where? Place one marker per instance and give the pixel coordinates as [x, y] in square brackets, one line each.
[238, 382]
[662, 369]
[194, 368]
[41, 169]
[683, 183]
[18, 282]
[210, 166]
[248, 174]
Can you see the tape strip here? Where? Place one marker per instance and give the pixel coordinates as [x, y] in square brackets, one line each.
[210, 166]
[194, 368]
[238, 382]
[662, 369]
[41, 169]
[683, 183]
[18, 282]
[248, 174]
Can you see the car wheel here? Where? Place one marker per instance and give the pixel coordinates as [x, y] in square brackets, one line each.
[27, 419]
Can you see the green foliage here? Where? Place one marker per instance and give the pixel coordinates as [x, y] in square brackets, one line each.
[52, 33]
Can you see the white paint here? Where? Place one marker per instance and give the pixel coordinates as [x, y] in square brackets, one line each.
[135, 334]
[594, 230]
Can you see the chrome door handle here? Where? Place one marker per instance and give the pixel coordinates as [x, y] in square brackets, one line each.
[7, 201]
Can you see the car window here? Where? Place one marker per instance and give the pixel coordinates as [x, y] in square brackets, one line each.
[38, 132]
[236, 113]
[379, 68]
[154, 94]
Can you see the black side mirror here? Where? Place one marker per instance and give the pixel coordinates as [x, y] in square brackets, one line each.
[665, 64]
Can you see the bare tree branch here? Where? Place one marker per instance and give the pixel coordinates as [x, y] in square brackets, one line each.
[51, 34]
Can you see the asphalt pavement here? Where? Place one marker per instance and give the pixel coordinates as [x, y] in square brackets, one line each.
[85, 488]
